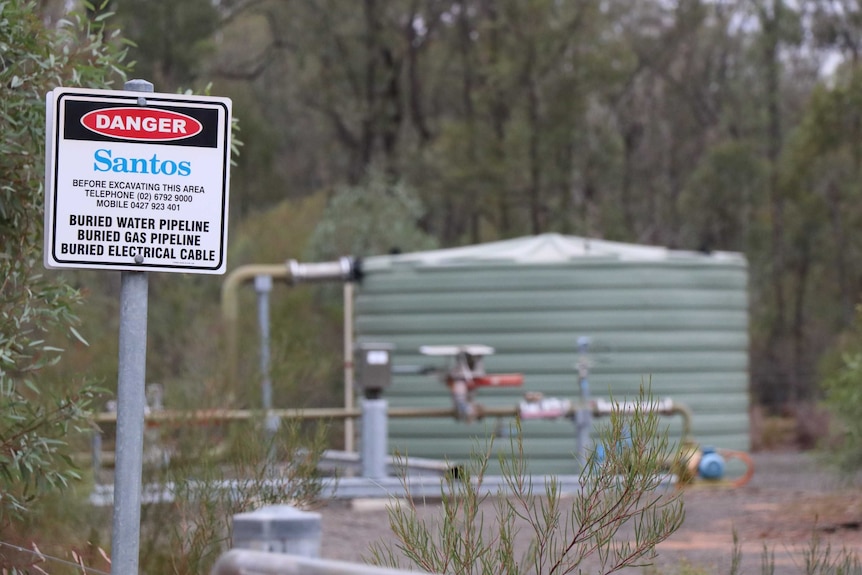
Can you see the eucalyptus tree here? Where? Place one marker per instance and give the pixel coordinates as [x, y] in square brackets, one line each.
[329, 89]
[36, 309]
[652, 121]
[836, 26]
[686, 104]
[508, 154]
[820, 176]
[171, 39]
[832, 127]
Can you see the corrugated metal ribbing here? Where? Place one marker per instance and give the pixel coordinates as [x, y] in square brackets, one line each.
[678, 325]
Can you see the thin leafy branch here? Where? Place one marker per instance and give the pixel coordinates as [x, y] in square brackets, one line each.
[36, 310]
[624, 508]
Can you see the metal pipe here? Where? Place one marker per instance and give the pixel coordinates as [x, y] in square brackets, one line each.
[685, 413]
[599, 409]
[247, 561]
[344, 269]
[96, 454]
[416, 486]
[349, 435]
[603, 407]
[209, 416]
[331, 458]
[583, 416]
[375, 438]
[262, 286]
[230, 304]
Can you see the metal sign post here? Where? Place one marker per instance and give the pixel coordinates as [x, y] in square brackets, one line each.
[135, 181]
[131, 400]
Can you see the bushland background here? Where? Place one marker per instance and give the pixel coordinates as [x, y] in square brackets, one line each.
[733, 125]
[729, 125]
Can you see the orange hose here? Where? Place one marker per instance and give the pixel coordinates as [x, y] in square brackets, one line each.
[687, 475]
[746, 459]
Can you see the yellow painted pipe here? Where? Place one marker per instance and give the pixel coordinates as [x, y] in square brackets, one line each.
[223, 415]
[230, 304]
[345, 269]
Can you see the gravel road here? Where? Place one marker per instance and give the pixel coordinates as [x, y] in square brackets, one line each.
[791, 498]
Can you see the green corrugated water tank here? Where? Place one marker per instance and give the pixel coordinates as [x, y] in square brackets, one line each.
[675, 320]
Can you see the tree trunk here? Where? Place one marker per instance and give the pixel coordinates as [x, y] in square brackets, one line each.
[533, 114]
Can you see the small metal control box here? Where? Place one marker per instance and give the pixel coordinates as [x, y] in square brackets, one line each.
[374, 366]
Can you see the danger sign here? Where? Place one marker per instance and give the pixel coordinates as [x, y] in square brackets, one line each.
[136, 181]
[142, 124]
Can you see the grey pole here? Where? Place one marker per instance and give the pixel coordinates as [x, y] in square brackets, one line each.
[584, 415]
[349, 434]
[263, 286]
[375, 437]
[131, 401]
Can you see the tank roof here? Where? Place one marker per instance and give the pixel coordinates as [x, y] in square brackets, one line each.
[548, 249]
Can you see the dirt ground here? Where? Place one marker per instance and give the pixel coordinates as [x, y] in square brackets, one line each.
[792, 498]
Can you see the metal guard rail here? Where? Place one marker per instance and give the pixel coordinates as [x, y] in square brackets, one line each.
[249, 562]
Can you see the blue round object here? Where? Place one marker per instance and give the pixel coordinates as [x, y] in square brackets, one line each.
[600, 453]
[711, 465]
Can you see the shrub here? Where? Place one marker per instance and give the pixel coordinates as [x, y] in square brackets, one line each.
[842, 387]
[208, 485]
[626, 489]
[35, 423]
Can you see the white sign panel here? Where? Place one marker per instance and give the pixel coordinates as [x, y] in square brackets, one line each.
[136, 181]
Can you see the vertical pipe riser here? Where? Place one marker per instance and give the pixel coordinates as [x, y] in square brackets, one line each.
[263, 286]
[375, 438]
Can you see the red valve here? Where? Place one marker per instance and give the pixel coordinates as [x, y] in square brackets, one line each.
[498, 380]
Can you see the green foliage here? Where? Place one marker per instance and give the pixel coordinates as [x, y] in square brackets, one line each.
[208, 474]
[659, 122]
[842, 386]
[370, 219]
[623, 494]
[34, 309]
[719, 195]
[820, 559]
[303, 373]
[214, 473]
[33, 455]
[817, 559]
[170, 38]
